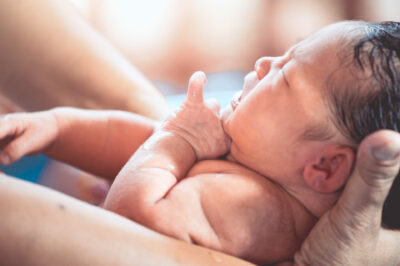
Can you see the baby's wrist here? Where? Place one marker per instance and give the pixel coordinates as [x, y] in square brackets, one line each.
[59, 114]
[170, 151]
[171, 140]
[61, 117]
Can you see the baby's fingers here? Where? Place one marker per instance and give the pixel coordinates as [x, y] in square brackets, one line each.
[377, 166]
[195, 88]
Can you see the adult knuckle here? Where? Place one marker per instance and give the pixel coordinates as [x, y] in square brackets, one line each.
[374, 172]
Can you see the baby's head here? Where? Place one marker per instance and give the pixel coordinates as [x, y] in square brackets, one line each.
[301, 116]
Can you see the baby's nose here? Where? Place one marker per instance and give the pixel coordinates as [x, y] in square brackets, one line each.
[262, 66]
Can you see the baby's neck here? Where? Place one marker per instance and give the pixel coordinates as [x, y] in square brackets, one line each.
[315, 203]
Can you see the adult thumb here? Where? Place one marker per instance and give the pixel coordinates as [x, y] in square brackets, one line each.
[376, 168]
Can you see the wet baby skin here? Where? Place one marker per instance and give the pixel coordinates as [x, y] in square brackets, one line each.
[249, 182]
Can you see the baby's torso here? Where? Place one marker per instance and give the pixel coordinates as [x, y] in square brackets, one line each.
[245, 214]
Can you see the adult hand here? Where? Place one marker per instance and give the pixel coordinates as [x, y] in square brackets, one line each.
[351, 233]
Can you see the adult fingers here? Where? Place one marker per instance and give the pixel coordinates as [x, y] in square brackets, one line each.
[348, 233]
[195, 87]
[92, 188]
[376, 168]
[18, 147]
[9, 126]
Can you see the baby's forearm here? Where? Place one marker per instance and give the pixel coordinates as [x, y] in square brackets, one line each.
[161, 162]
[99, 142]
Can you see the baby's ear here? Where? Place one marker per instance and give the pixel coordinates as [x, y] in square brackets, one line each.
[331, 169]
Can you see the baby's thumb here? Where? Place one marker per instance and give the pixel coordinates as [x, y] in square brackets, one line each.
[195, 87]
[376, 168]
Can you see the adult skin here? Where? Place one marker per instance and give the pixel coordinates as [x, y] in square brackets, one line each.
[50, 56]
[351, 232]
[43, 227]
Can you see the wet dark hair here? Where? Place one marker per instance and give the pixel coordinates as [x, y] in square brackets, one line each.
[373, 101]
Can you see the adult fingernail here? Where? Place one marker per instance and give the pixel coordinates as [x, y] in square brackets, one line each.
[100, 191]
[386, 152]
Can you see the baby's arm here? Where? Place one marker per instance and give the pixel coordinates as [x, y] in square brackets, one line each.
[193, 133]
[99, 142]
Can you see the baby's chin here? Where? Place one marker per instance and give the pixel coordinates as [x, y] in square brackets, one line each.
[229, 157]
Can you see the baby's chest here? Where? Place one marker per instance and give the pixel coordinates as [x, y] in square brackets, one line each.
[234, 197]
[245, 210]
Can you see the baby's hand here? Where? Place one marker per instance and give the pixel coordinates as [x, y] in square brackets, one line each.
[26, 133]
[198, 122]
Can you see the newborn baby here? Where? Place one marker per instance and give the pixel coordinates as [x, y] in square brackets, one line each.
[250, 182]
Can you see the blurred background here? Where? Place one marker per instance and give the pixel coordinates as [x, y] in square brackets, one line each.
[170, 39]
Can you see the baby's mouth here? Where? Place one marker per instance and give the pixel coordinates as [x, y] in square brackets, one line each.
[236, 100]
[250, 82]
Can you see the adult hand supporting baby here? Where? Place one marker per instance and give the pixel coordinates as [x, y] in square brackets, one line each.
[351, 233]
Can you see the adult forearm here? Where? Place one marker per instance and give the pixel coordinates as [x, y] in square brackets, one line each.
[44, 227]
[50, 53]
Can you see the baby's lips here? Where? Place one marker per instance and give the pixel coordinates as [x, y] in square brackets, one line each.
[236, 99]
[250, 81]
